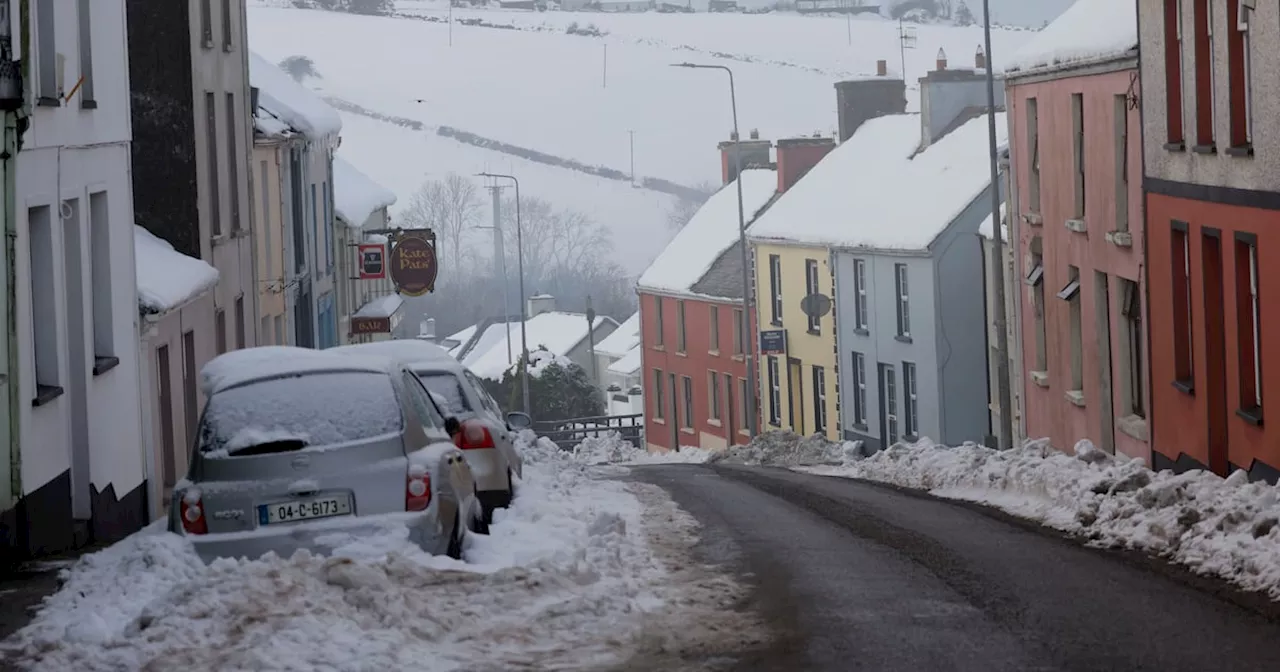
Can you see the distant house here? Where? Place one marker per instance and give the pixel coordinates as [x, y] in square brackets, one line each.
[607, 5]
[619, 370]
[369, 309]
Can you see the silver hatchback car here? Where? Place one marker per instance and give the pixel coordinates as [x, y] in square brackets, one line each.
[295, 452]
[486, 436]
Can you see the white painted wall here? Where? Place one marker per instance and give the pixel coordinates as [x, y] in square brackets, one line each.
[71, 153]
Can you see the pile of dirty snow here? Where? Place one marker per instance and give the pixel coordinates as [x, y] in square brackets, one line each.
[784, 448]
[1221, 527]
[568, 578]
[612, 448]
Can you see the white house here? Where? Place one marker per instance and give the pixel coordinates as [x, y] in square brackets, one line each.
[369, 309]
[618, 360]
[493, 347]
[306, 179]
[80, 464]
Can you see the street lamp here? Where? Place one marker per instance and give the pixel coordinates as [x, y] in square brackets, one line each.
[524, 341]
[742, 241]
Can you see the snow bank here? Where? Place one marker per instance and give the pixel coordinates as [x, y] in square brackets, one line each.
[291, 102]
[566, 580]
[355, 195]
[1090, 31]
[166, 277]
[784, 448]
[612, 448]
[1220, 527]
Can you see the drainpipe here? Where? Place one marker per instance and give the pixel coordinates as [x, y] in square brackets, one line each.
[15, 117]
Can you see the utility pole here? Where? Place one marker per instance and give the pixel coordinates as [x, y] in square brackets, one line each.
[633, 157]
[906, 40]
[604, 68]
[451, 23]
[997, 238]
[591, 341]
[500, 263]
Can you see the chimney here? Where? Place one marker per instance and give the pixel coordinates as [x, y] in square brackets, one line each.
[542, 303]
[797, 156]
[942, 60]
[980, 59]
[948, 95]
[755, 134]
[755, 154]
[860, 100]
[882, 68]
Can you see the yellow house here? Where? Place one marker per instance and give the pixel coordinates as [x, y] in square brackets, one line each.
[797, 353]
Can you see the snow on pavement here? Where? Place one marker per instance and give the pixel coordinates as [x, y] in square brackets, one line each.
[583, 572]
[1226, 528]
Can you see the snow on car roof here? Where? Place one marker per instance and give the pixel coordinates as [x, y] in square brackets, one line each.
[250, 364]
[408, 351]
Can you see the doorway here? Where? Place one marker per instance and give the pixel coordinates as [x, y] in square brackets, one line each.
[795, 394]
[1102, 318]
[1215, 350]
[77, 359]
[164, 392]
[888, 406]
[675, 412]
[729, 433]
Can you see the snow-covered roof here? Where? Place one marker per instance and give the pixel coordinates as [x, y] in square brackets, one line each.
[622, 340]
[1088, 32]
[355, 195]
[985, 229]
[557, 332]
[166, 277]
[629, 364]
[383, 306]
[713, 228]
[290, 102]
[875, 191]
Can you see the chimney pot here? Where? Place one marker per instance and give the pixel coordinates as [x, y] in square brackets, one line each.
[755, 134]
[980, 59]
[882, 68]
[942, 59]
[733, 136]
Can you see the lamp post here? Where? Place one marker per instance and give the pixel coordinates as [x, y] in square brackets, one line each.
[997, 239]
[524, 341]
[749, 342]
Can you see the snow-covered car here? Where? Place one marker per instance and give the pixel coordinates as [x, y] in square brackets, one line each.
[296, 447]
[486, 436]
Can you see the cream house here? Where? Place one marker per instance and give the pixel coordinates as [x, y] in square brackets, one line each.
[369, 309]
[270, 158]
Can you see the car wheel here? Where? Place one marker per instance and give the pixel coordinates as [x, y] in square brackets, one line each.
[456, 538]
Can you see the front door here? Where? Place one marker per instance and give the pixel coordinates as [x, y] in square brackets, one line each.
[888, 406]
[729, 434]
[675, 413]
[1102, 318]
[1215, 350]
[795, 394]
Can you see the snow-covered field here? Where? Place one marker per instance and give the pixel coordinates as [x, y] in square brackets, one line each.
[582, 572]
[537, 87]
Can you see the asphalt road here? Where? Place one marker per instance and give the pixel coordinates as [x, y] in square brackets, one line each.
[855, 576]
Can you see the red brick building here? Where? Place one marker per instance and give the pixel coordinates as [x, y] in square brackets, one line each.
[692, 321]
[1213, 222]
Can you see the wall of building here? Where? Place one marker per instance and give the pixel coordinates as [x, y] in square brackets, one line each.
[665, 430]
[992, 263]
[1103, 413]
[809, 350]
[268, 195]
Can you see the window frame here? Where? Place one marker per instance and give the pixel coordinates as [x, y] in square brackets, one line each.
[910, 402]
[859, 390]
[775, 289]
[811, 288]
[658, 400]
[713, 313]
[686, 384]
[775, 391]
[818, 375]
[682, 335]
[902, 291]
[713, 396]
[860, 303]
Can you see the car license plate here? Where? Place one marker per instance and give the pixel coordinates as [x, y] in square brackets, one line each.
[303, 509]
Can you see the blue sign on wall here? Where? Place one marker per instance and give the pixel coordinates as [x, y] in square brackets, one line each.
[773, 342]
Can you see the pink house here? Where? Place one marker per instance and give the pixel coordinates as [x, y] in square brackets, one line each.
[1076, 161]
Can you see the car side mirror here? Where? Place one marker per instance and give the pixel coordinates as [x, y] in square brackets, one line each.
[452, 426]
[517, 420]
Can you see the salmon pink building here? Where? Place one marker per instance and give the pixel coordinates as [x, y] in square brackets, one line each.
[1075, 153]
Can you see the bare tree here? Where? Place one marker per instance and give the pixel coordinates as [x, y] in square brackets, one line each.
[451, 207]
[683, 210]
[299, 67]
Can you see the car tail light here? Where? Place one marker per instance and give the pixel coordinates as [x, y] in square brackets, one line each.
[473, 435]
[417, 488]
[191, 509]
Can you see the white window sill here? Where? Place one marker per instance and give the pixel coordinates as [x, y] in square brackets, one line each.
[1076, 397]
[1120, 238]
[686, 430]
[1133, 426]
[713, 422]
[1040, 378]
[659, 421]
[1077, 225]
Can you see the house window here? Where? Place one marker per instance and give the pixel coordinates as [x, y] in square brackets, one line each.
[775, 393]
[775, 288]
[211, 148]
[890, 405]
[658, 321]
[226, 24]
[713, 394]
[680, 327]
[1240, 73]
[658, 405]
[48, 94]
[328, 227]
[1249, 332]
[100, 272]
[240, 323]
[744, 402]
[233, 161]
[819, 400]
[1033, 153]
[811, 288]
[268, 227]
[315, 224]
[1173, 71]
[1077, 134]
[1121, 112]
[714, 317]
[903, 300]
[220, 330]
[739, 331]
[859, 390]
[910, 404]
[860, 294]
[1184, 370]
[85, 15]
[164, 399]
[278, 328]
[1131, 350]
[1035, 278]
[687, 383]
[1206, 115]
[1071, 294]
[206, 23]
[44, 302]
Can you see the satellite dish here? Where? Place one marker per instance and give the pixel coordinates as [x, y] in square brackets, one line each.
[815, 305]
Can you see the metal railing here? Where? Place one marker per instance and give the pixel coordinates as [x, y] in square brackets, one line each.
[568, 433]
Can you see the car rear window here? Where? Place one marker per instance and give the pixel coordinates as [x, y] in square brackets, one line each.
[447, 386]
[319, 409]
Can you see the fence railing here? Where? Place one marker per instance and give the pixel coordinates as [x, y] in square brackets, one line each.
[568, 433]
